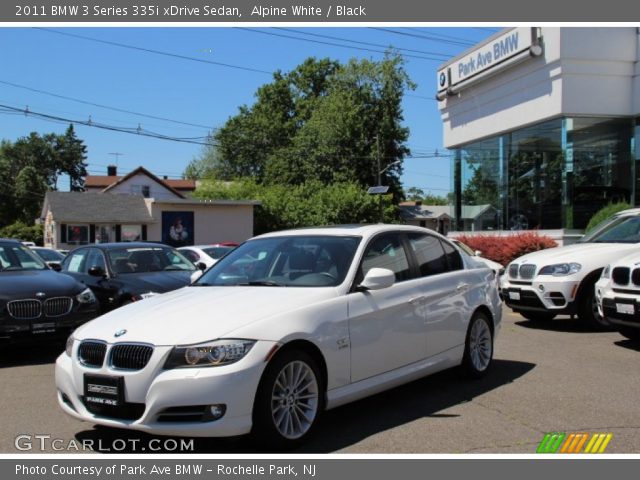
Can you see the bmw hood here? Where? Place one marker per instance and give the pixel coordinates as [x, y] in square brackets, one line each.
[198, 314]
[579, 253]
[26, 283]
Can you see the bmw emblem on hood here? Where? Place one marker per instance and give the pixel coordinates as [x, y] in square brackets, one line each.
[40, 295]
[119, 333]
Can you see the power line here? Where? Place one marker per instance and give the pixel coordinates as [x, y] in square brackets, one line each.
[90, 123]
[156, 52]
[107, 107]
[440, 35]
[291, 37]
[424, 37]
[330, 37]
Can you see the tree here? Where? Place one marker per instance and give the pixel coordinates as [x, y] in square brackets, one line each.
[32, 165]
[207, 164]
[324, 122]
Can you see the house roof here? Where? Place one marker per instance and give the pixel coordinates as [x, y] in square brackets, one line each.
[90, 207]
[108, 181]
[144, 171]
[411, 211]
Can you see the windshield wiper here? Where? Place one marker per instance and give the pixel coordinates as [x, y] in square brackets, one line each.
[261, 283]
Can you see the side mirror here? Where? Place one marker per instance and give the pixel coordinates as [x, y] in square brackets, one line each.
[478, 253]
[196, 275]
[201, 266]
[377, 279]
[97, 271]
[55, 266]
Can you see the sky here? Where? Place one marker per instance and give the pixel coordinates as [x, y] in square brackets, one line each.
[198, 80]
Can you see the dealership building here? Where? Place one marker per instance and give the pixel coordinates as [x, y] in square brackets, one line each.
[542, 124]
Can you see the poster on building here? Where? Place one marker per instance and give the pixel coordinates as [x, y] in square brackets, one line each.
[177, 228]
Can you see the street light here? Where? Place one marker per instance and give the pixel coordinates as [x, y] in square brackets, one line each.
[381, 189]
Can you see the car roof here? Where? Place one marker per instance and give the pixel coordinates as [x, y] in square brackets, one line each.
[349, 230]
[109, 246]
[12, 241]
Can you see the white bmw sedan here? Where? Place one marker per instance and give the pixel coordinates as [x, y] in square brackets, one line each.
[284, 327]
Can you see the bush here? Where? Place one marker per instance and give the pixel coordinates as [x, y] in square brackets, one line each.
[506, 249]
[24, 232]
[606, 212]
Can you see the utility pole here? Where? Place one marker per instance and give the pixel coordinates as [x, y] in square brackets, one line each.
[380, 209]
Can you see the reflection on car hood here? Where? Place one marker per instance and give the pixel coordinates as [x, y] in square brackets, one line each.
[579, 252]
[16, 284]
[197, 314]
[159, 282]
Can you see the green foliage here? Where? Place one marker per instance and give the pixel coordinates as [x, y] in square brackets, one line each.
[319, 123]
[417, 194]
[21, 231]
[606, 212]
[32, 165]
[304, 205]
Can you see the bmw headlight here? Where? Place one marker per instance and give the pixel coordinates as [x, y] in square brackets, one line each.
[560, 269]
[210, 354]
[606, 273]
[69, 345]
[86, 296]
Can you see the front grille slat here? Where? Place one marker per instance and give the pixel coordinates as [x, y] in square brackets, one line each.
[131, 356]
[527, 271]
[620, 275]
[27, 309]
[58, 306]
[92, 353]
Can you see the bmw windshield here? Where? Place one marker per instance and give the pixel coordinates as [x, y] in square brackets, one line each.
[300, 261]
[17, 257]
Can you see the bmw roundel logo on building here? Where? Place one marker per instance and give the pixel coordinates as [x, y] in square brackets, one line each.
[443, 79]
[119, 333]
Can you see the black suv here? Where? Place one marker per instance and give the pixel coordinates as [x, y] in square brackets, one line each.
[35, 300]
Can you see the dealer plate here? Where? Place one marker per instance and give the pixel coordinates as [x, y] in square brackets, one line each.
[514, 295]
[625, 308]
[104, 390]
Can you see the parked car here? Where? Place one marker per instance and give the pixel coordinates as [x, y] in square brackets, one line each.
[206, 254]
[121, 273]
[497, 268]
[618, 295]
[283, 327]
[562, 280]
[52, 257]
[35, 301]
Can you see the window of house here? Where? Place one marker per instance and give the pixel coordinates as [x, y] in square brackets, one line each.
[78, 234]
[131, 233]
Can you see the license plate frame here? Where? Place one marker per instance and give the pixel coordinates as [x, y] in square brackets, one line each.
[104, 390]
[40, 328]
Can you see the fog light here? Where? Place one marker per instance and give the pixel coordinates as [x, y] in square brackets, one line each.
[541, 288]
[214, 412]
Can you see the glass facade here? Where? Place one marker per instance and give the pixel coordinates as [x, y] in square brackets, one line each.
[555, 174]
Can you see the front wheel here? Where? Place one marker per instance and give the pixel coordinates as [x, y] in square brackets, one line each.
[588, 309]
[289, 400]
[478, 350]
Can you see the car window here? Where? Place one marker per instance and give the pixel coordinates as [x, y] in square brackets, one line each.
[386, 251]
[96, 259]
[191, 255]
[429, 254]
[49, 255]
[76, 261]
[624, 229]
[454, 259]
[217, 252]
[147, 259]
[18, 257]
[296, 261]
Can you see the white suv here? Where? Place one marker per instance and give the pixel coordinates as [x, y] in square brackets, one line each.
[561, 280]
[618, 295]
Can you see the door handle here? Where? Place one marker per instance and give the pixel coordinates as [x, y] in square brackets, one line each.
[463, 287]
[416, 300]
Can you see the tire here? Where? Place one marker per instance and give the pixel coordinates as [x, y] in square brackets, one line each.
[630, 333]
[538, 316]
[478, 347]
[588, 309]
[284, 415]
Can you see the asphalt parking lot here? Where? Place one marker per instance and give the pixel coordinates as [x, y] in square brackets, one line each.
[554, 377]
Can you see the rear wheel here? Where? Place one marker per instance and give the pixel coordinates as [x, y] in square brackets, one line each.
[478, 350]
[538, 316]
[289, 400]
[630, 333]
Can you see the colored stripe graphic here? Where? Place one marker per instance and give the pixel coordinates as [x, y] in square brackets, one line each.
[560, 442]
